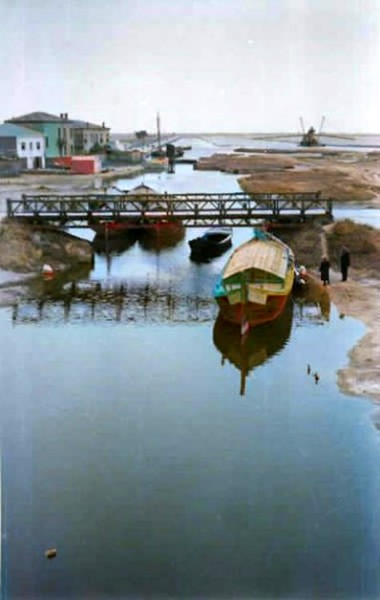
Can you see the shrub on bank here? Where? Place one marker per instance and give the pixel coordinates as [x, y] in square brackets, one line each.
[363, 242]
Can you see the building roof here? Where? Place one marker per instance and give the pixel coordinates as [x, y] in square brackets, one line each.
[35, 117]
[11, 130]
[42, 117]
[76, 124]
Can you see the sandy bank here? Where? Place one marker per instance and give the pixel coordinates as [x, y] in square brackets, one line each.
[360, 299]
[343, 176]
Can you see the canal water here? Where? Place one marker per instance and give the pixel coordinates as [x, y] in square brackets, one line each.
[163, 459]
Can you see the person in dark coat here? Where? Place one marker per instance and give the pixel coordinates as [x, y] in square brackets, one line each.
[324, 269]
[344, 262]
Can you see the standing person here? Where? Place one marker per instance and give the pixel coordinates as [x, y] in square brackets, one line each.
[324, 269]
[344, 262]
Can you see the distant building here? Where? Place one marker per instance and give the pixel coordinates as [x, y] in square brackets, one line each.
[64, 136]
[24, 143]
[88, 137]
[53, 128]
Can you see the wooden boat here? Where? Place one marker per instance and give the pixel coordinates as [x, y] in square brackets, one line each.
[122, 226]
[126, 226]
[161, 234]
[256, 281]
[213, 242]
[260, 344]
[114, 229]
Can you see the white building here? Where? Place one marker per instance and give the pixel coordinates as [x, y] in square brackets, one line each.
[22, 142]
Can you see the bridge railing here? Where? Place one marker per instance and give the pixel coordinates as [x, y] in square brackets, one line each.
[182, 206]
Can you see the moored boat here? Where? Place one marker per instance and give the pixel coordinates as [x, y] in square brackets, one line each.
[161, 234]
[111, 228]
[114, 229]
[213, 242]
[256, 281]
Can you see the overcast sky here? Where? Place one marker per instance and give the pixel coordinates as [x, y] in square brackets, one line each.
[204, 65]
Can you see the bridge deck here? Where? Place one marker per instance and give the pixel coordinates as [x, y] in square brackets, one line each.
[235, 209]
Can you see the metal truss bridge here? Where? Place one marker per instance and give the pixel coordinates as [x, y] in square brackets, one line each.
[237, 209]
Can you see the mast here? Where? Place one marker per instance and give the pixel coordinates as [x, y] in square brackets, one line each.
[158, 131]
[321, 125]
[302, 126]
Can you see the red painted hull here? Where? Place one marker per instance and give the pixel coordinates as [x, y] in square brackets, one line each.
[119, 228]
[113, 228]
[255, 314]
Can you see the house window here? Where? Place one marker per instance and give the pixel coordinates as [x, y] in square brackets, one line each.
[30, 145]
[38, 145]
[23, 146]
[47, 142]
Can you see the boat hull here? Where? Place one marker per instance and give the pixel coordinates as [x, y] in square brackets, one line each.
[208, 250]
[211, 244]
[161, 235]
[154, 229]
[114, 229]
[252, 312]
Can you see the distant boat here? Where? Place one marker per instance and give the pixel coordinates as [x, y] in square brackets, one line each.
[262, 342]
[213, 242]
[256, 281]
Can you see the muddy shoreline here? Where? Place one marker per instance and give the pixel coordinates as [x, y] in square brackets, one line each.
[349, 177]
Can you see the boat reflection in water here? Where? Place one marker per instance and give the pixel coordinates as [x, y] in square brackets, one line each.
[261, 343]
[312, 299]
[114, 245]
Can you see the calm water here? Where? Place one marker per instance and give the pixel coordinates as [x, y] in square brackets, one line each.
[162, 459]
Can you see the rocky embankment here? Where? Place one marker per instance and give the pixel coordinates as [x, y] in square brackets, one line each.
[26, 248]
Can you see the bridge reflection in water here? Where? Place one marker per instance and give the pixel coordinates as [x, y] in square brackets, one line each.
[59, 302]
[99, 302]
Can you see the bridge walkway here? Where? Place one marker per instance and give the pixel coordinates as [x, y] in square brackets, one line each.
[192, 209]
